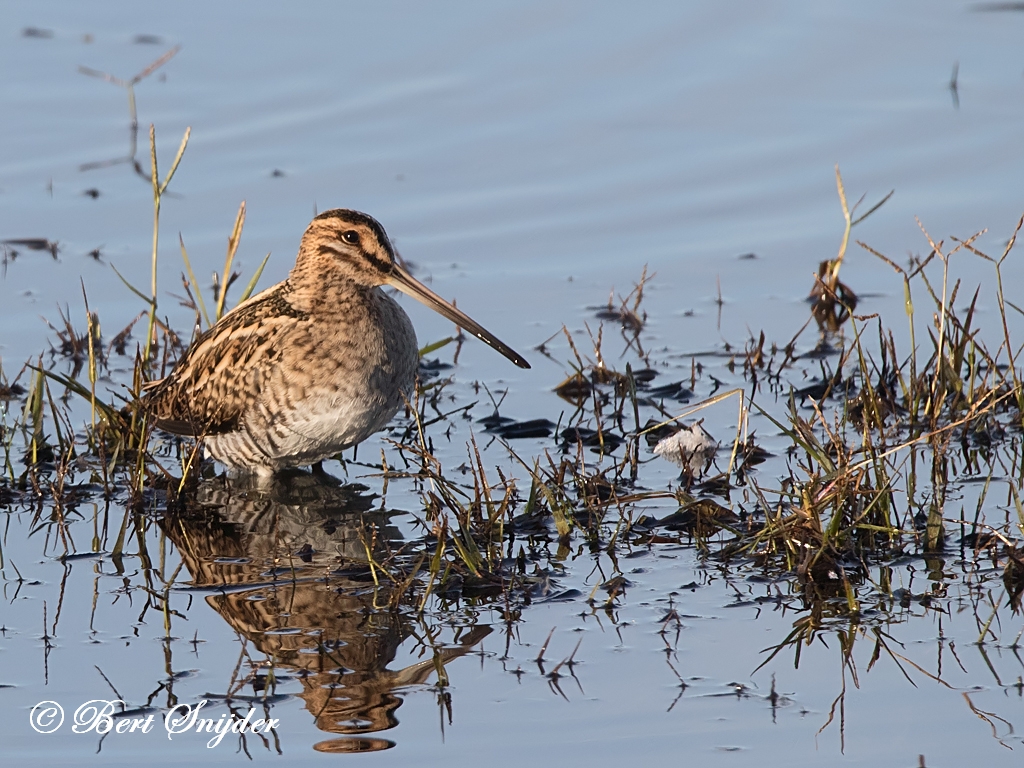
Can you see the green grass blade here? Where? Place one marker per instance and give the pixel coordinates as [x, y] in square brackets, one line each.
[255, 279]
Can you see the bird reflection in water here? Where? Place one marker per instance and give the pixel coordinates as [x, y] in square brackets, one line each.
[290, 560]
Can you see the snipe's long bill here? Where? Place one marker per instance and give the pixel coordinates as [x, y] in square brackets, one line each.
[312, 365]
[409, 285]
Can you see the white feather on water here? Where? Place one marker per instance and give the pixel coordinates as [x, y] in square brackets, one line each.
[691, 448]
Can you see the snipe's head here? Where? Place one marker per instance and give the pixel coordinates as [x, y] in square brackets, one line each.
[353, 247]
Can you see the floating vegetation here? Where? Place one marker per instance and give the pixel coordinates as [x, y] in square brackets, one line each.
[825, 489]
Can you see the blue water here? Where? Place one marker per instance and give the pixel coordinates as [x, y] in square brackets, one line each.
[527, 158]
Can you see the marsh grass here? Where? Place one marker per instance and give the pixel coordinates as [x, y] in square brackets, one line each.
[863, 467]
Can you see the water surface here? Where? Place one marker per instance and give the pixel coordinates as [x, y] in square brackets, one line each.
[527, 159]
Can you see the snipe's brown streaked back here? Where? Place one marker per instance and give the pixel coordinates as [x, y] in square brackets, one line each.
[311, 366]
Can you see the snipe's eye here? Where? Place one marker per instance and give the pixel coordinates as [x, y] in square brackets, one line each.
[350, 236]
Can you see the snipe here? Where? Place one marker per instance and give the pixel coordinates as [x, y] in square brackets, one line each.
[311, 366]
